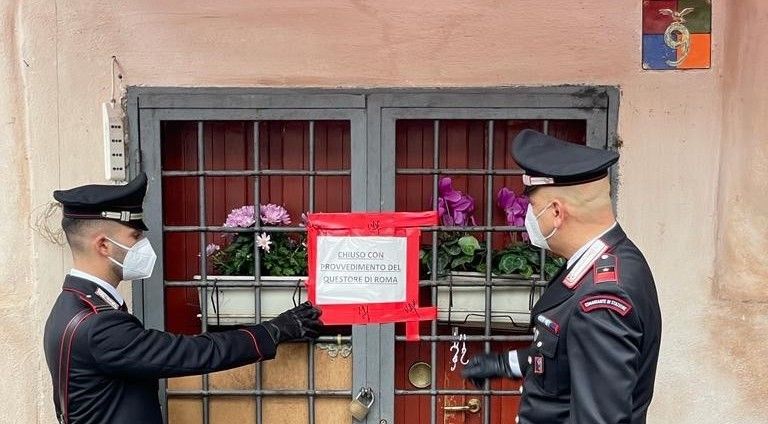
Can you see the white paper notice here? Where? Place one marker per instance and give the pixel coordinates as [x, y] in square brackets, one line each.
[360, 270]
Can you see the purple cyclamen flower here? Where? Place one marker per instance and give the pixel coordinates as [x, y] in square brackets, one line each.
[454, 207]
[445, 188]
[442, 212]
[242, 217]
[274, 214]
[514, 207]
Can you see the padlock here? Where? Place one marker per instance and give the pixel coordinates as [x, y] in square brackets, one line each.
[361, 404]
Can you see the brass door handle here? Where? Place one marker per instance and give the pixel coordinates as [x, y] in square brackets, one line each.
[472, 406]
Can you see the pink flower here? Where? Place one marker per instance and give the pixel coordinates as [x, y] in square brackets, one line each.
[242, 217]
[211, 249]
[274, 214]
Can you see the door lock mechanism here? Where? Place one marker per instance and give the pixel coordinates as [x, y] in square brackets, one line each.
[472, 406]
[361, 404]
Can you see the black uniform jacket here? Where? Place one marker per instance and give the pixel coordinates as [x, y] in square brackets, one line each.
[597, 330]
[105, 365]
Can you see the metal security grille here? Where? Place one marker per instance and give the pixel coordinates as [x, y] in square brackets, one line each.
[255, 282]
[379, 175]
[484, 171]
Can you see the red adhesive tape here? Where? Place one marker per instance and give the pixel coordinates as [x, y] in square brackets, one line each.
[394, 224]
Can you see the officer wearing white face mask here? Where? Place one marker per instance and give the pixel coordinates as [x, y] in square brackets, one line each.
[104, 364]
[138, 262]
[597, 326]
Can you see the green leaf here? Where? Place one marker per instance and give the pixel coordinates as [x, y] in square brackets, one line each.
[511, 263]
[461, 261]
[526, 271]
[453, 250]
[550, 270]
[443, 261]
[533, 256]
[469, 244]
[506, 263]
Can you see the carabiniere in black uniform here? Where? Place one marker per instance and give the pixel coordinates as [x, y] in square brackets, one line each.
[597, 326]
[105, 365]
[597, 329]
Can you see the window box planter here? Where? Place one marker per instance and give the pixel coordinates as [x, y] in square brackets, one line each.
[465, 304]
[236, 305]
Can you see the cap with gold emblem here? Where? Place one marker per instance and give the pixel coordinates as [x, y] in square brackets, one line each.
[121, 203]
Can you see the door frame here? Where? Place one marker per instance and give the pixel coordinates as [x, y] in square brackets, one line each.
[372, 114]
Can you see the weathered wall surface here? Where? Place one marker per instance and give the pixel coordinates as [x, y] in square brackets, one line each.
[20, 355]
[54, 73]
[744, 159]
[739, 315]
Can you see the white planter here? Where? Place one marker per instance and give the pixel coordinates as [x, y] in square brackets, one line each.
[510, 305]
[236, 305]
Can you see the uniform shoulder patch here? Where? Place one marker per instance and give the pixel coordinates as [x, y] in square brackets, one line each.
[606, 269]
[605, 301]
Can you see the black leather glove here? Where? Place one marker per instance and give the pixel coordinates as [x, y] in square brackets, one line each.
[299, 323]
[487, 365]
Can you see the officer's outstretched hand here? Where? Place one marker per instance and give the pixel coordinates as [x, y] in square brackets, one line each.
[299, 323]
[487, 365]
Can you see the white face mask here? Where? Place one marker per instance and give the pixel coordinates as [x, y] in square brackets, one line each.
[534, 231]
[139, 261]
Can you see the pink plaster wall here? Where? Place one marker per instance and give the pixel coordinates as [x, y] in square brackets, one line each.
[742, 273]
[671, 125]
[741, 276]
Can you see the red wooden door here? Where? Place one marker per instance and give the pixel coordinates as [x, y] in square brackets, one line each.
[416, 408]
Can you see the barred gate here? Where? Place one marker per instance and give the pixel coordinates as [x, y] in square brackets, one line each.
[208, 151]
